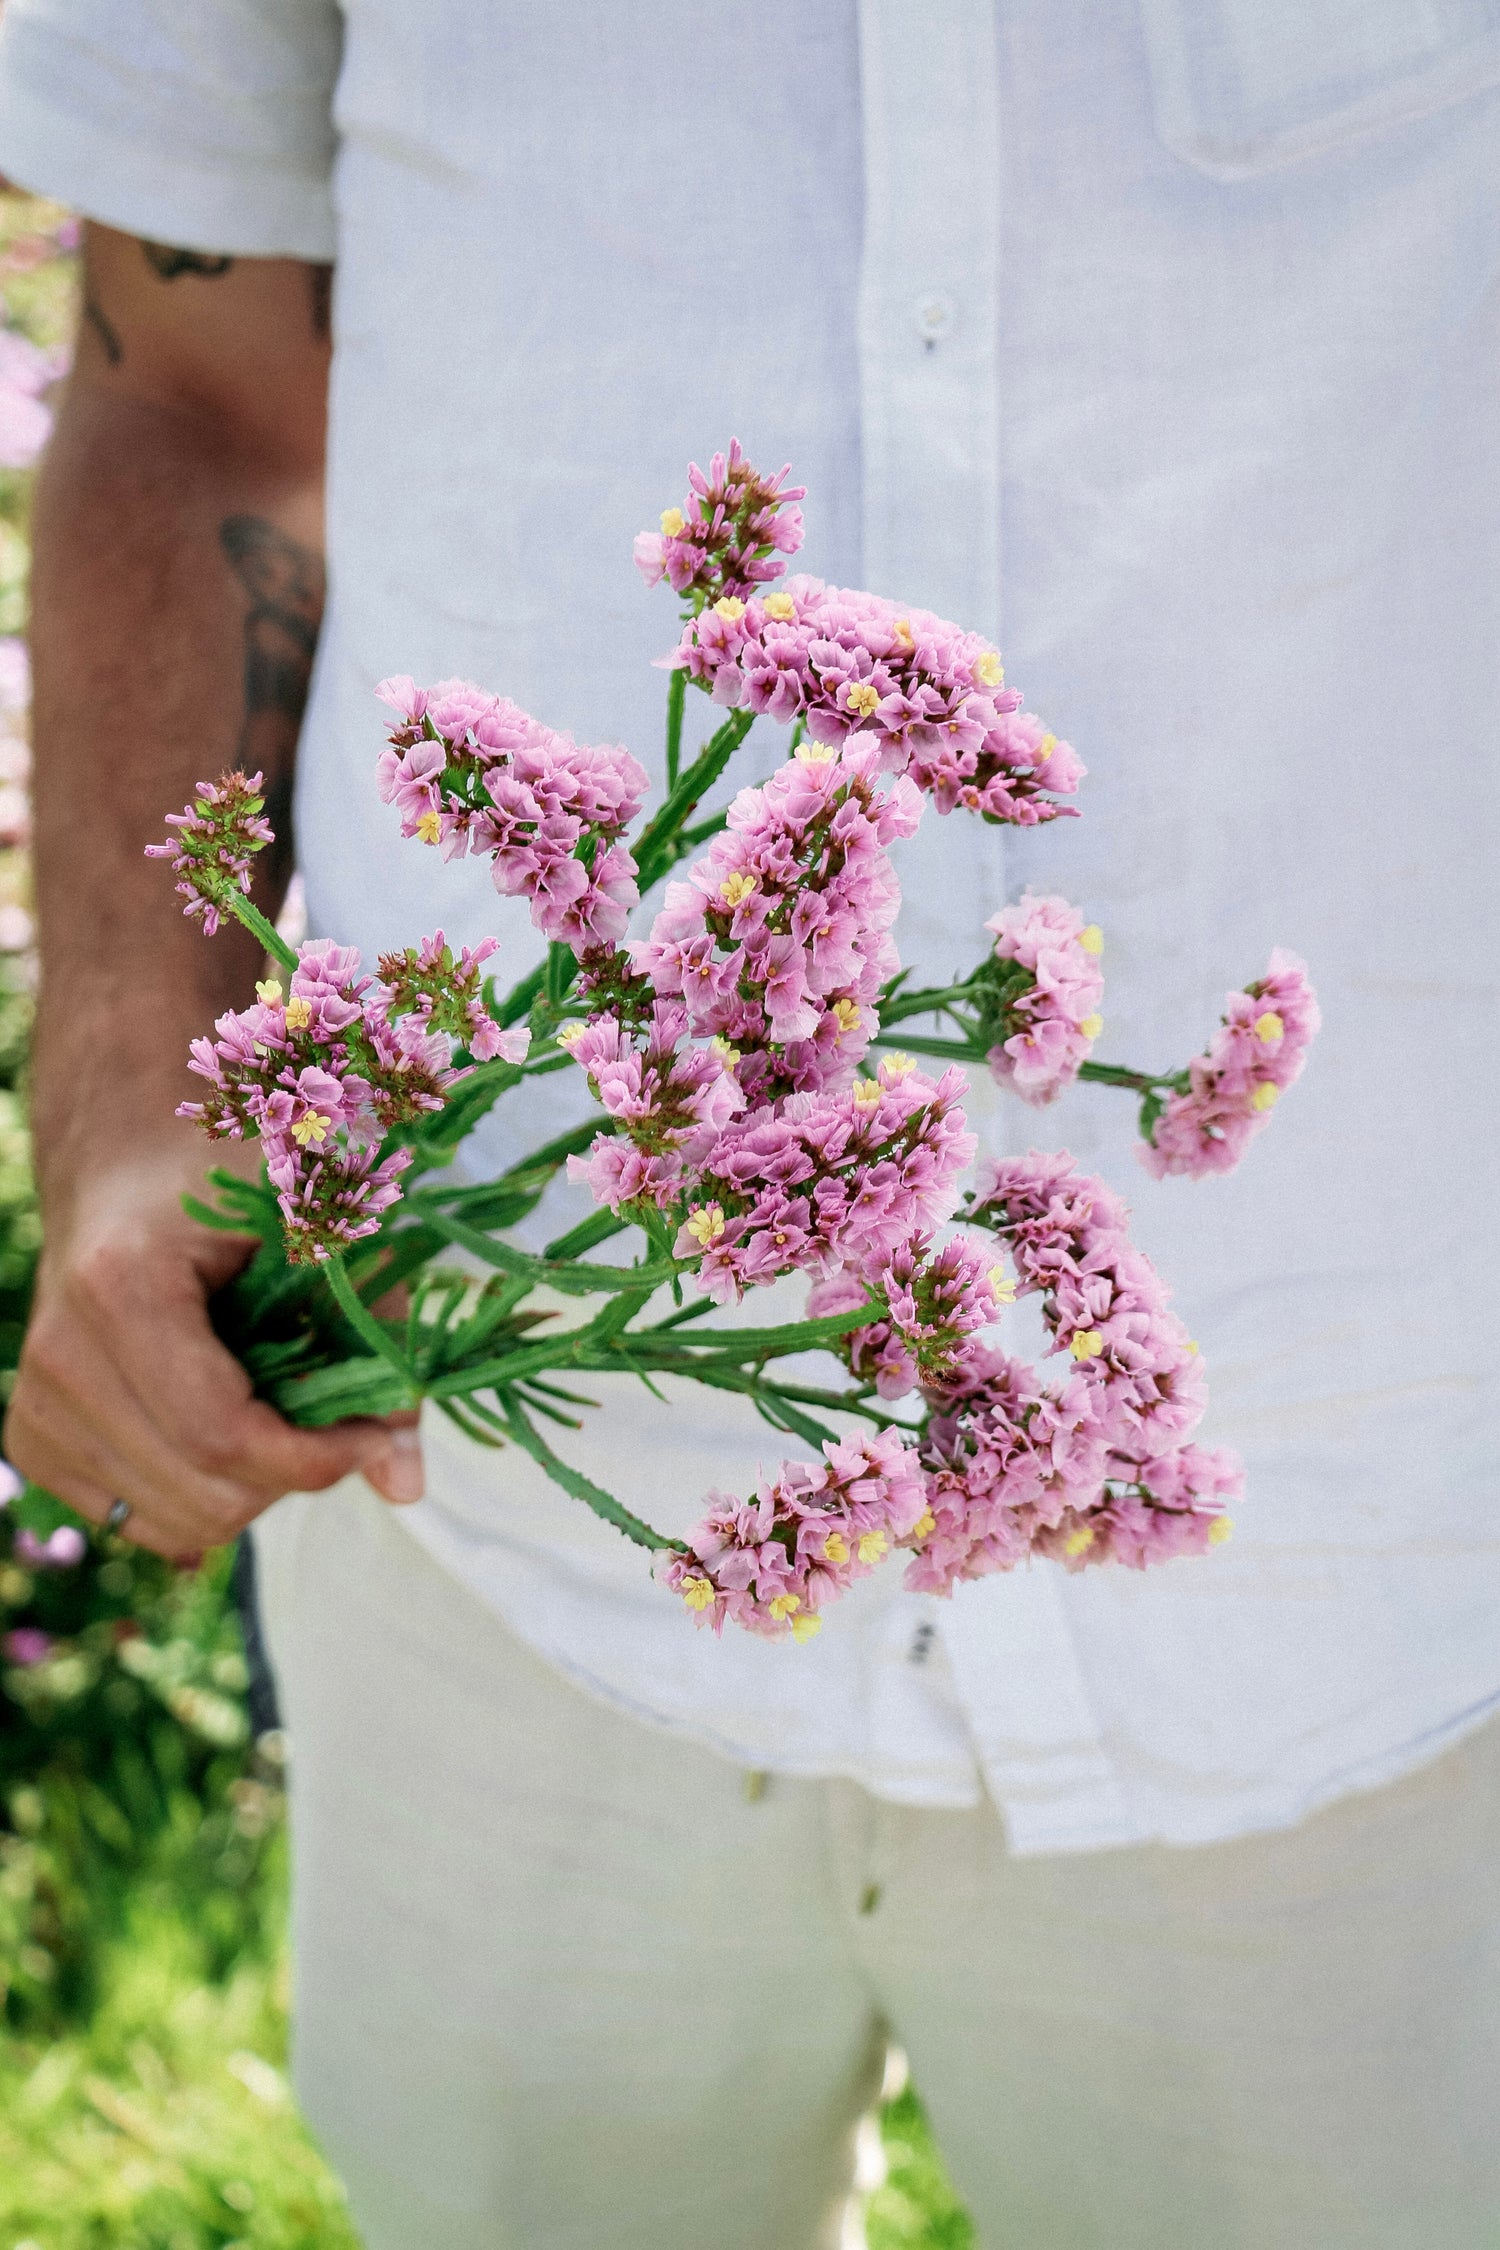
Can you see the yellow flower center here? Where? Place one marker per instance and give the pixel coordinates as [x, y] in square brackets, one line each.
[779, 606]
[268, 991]
[429, 828]
[698, 1593]
[1219, 1530]
[989, 671]
[1091, 1026]
[895, 1068]
[860, 697]
[735, 889]
[903, 632]
[1092, 938]
[298, 1013]
[727, 1055]
[1269, 1027]
[1087, 1343]
[805, 1628]
[311, 1131]
[848, 1016]
[835, 1547]
[1045, 748]
[867, 1093]
[783, 1606]
[672, 521]
[873, 1546]
[1004, 1288]
[1079, 1542]
[925, 1523]
[570, 1034]
[706, 1223]
[729, 606]
[1265, 1096]
[816, 753]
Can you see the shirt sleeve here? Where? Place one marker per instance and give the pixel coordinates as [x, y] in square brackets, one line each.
[205, 123]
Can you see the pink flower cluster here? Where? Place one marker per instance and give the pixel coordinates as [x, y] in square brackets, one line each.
[321, 1073]
[447, 995]
[773, 1562]
[936, 1299]
[1097, 1466]
[729, 534]
[1251, 1060]
[26, 371]
[671, 1100]
[1053, 1020]
[821, 1181]
[928, 697]
[779, 940]
[472, 772]
[216, 837]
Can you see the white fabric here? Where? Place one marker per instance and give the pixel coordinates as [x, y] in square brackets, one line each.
[1224, 454]
[619, 2003]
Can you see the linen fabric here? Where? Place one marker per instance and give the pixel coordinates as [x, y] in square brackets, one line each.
[1160, 341]
[621, 2000]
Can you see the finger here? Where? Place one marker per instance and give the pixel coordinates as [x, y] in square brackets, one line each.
[32, 1451]
[206, 1414]
[73, 1405]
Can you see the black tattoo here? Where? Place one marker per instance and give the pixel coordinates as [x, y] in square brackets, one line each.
[169, 262]
[320, 285]
[285, 584]
[104, 328]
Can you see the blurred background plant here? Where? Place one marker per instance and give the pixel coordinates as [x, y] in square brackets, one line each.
[143, 1979]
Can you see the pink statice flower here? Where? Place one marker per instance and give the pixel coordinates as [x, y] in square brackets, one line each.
[27, 1645]
[773, 1563]
[320, 1072]
[1079, 1465]
[26, 370]
[928, 697]
[62, 1549]
[779, 939]
[472, 772]
[216, 838]
[830, 1180]
[729, 535]
[670, 1100]
[1051, 1016]
[446, 994]
[1259, 1050]
[936, 1302]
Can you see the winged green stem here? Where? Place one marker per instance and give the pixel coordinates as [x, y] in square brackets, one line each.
[604, 1504]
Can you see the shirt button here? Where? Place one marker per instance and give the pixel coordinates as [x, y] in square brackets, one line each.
[934, 317]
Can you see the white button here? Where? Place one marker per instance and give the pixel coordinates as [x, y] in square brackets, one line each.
[934, 317]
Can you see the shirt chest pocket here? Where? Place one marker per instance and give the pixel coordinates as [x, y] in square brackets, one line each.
[1241, 87]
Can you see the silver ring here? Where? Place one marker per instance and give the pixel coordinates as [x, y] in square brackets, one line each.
[119, 1515]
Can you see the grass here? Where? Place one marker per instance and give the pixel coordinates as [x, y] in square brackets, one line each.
[166, 2122]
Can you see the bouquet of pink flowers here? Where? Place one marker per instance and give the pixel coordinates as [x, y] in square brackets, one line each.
[755, 1116]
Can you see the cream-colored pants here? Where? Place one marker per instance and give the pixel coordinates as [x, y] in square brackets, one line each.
[564, 1984]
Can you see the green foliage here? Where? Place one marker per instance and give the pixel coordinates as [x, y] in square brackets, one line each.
[916, 2208]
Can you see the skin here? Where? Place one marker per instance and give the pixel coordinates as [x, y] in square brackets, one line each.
[177, 591]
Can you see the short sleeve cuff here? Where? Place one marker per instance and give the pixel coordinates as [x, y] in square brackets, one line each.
[226, 152]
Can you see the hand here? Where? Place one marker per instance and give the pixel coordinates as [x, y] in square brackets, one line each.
[125, 1393]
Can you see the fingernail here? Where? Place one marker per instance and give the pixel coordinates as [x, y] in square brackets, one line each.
[395, 1467]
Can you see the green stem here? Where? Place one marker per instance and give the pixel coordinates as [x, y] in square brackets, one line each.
[604, 1504]
[272, 941]
[676, 702]
[360, 1318]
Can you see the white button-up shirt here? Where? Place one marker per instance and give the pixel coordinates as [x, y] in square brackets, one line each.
[1159, 338]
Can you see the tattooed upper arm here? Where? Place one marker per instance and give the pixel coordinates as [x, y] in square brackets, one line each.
[247, 353]
[169, 262]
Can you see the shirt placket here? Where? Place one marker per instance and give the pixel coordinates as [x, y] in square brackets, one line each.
[931, 433]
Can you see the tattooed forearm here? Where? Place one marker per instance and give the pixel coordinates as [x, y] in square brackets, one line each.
[170, 262]
[284, 583]
[104, 328]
